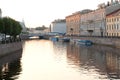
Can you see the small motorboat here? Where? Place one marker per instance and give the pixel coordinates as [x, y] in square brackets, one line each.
[85, 42]
[66, 39]
[54, 39]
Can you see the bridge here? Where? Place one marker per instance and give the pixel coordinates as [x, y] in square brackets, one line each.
[35, 34]
[42, 34]
[38, 35]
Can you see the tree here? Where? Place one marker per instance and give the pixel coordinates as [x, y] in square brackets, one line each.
[1, 26]
[7, 26]
[41, 28]
[11, 27]
[16, 28]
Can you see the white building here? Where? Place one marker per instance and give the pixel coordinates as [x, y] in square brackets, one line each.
[58, 26]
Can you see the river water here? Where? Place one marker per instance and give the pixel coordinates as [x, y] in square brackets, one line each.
[47, 60]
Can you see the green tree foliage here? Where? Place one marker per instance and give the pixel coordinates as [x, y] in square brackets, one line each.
[1, 26]
[11, 27]
[16, 28]
[41, 28]
[7, 25]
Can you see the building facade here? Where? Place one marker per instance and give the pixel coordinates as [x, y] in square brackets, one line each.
[92, 23]
[113, 24]
[73, 24]
[58, 26]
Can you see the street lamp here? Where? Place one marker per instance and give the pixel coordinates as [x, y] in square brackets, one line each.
[101, 30]
[71, 29]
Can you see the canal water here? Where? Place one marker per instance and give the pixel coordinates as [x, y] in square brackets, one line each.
[47, 60]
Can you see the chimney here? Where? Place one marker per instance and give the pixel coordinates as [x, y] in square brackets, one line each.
[108, 3]
[116, 1]
[111, 1]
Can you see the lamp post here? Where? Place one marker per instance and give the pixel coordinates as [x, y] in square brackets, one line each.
[71, 29]
[101, 31]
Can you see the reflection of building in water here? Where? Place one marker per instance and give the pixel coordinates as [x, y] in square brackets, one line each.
[113, 64]
[86, 57]
[5, 68]
[59, 46]
[111, 60]
[104, 60]
[73, 55]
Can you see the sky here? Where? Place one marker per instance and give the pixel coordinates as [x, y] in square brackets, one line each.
[36, 13]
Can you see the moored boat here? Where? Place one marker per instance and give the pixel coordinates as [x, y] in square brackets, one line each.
[54, 38]
[66, 39]
[85, 42]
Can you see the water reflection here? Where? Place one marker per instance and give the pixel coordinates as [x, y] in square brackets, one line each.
[98, 61]
[47, 60]
[10, 67]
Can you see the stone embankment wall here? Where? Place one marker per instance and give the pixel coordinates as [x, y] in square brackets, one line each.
[115, 42]
[9, 48]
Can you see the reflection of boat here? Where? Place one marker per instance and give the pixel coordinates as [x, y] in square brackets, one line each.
[85, 42]
[41, 37]
[33, 37]
[54, 38]
[66, 39]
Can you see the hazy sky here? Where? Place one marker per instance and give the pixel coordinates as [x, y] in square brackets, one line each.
[42, 12]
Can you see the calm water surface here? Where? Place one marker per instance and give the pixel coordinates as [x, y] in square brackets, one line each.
[47, 60]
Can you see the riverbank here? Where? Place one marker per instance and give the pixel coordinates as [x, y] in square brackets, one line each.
[8, 48]
[113, 42]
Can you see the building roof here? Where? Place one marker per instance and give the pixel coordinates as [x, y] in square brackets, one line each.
[80, 12]
[115, 13]
[59, 21]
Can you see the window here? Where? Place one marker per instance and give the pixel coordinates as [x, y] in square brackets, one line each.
[114, 19]
[112, 34]
[117, 19]
[117, 26]
[107, 33]
[117, 34]
[112, 27]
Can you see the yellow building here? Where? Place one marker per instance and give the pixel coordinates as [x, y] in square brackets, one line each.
[113, 24]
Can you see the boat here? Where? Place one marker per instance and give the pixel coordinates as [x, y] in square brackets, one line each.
[54, 38]
[41, 37]
[66, 39]
[85, 42]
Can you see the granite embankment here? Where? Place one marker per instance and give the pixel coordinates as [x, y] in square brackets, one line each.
[10, 48]
[114, 42]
